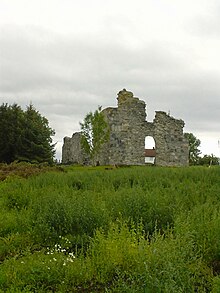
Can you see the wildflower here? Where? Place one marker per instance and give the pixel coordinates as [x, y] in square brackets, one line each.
[54, 259]
[72, 255]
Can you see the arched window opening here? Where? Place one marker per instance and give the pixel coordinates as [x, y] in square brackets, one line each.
[150, 150]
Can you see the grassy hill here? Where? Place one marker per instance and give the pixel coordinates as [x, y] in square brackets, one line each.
[135, 229]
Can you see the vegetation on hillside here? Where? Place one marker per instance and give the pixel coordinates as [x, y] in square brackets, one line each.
[25, 170]
[133, 229]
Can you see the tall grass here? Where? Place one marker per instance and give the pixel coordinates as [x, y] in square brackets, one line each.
[131, 229]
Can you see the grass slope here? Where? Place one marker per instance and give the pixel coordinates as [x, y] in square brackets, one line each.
[136, 229]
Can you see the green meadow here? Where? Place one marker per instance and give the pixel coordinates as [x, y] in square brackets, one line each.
[133, 229]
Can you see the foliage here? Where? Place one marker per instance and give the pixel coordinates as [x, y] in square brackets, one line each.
[24, 169]
[209, 160]
[194, 151]
[24, 135]
[95, 132]
[134, 229]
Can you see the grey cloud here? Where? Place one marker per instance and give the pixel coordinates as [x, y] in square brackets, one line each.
[65, 77]
[207, 25]
[71, 63]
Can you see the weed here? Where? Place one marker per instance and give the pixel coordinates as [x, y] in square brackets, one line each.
[134, 229]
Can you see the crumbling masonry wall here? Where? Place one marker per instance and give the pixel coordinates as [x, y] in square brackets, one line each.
[128, 129]
[72, 152]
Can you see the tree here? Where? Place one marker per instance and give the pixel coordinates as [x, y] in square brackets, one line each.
[11, 118]
[95, 132]
[194, 151]
[24, 135]
[209, 160]
[37, 144]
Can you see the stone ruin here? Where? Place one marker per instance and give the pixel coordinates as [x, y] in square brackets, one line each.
[128, 130]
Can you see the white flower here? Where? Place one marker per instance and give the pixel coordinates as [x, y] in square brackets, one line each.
[72, 255]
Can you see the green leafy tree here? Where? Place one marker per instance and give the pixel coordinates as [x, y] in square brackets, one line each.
[209, 160]
[95, 132]
[194, 151]
[24, 135]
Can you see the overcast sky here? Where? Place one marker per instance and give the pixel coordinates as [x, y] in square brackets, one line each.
[67, 57]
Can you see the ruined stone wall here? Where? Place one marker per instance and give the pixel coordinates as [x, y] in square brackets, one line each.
[172, 148]
[128, 129]
[72, 152]
[127, 124]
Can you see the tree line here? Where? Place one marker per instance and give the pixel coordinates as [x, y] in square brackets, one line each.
[25, 135]
[195, 157]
